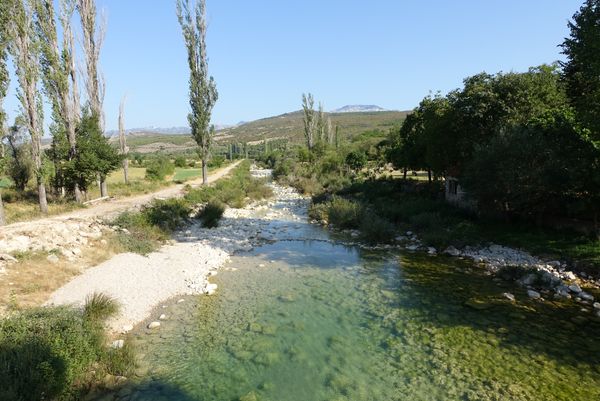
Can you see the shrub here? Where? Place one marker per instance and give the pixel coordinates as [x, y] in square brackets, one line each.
[141, 237]
[427, 220]
[159, 168]
[356, 160]
[167, 214]
[48, 353]
[319, 212]
[376, 230]
[216, 161]
[211, 213]
[180, 162]
[344, 213]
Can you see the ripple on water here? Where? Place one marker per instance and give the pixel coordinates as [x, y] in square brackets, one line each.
[327, 322]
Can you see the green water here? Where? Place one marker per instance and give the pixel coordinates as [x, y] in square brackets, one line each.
[321, 321]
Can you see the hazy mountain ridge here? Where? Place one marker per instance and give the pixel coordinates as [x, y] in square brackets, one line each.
[359, 108]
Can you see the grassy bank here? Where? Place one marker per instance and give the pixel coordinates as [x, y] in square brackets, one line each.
[59, 353]
[144, 231]
[382, 208]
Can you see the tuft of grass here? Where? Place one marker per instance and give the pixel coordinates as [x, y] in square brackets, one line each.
[211, 213]
[98, 307]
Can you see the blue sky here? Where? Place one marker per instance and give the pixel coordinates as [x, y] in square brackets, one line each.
[265, 53]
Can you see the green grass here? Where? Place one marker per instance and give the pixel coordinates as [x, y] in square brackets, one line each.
[186, 174]
[211, 213]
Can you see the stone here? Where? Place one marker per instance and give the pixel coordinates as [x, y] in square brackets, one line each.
[162, 317]
[528, 279]
[596, 305]
[452, 251]
[118, 344]
[210, 289]
[509, 296]
[7, 258]
[585, 296]
[154, 325]
[180, 301]
[127, 328]
[431, 250]
[409, 233]
[261, 265]
[569, 276]
[575, 288]
[53, 259]
[76, 251]
[533, 294]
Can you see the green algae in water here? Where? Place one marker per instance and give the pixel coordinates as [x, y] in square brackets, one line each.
[340, 324]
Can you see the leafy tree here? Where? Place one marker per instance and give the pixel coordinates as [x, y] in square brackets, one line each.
[581, 71]
[356, 160]
[203, 90]
[159, 168]
[543, 167]
[180, 162]
[18, 166]
[95, 156]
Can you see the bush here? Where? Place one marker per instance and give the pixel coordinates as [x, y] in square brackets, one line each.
[344, 213]
[167, 214]
[216, 161]
[211, 213]
[141, 237]
[376, 230]
[48, 353]
[180, 162]
[159, 168]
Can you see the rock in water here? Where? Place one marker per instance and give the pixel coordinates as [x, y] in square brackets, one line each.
[154, 325]
[533, 294]
[509, 296]
[210, 289]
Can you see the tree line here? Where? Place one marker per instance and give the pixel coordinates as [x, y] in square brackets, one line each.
[45, 68]
[525, 144]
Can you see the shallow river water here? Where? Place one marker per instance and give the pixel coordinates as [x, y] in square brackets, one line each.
[315, 320]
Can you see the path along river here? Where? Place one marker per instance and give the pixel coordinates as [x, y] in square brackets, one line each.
[307, 315]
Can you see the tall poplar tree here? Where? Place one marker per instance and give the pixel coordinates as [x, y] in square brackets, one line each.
[203, 90]
[25, 50]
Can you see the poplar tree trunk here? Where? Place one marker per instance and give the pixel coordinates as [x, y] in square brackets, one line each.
[2, 218]
[103, 187]
[42, 196]
[204, 172]
[126, 170]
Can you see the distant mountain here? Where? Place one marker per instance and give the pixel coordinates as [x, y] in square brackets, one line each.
[358, 108]
[163, 130]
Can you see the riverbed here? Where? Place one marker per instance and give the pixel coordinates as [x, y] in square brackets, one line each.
[304, 314]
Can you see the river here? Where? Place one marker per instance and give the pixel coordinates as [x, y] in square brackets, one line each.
[313, 316]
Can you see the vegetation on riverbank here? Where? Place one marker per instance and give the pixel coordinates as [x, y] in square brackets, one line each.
[144, 231]
[59, 353]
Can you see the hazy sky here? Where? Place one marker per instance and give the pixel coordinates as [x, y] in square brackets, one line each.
[265, 53]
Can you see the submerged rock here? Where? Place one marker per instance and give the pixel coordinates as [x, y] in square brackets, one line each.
[154, 325]
[533, 294]
[509, 296]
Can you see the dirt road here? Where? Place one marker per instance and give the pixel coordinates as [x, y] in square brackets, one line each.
[111, 208]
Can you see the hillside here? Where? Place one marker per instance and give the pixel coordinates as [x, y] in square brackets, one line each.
[286, 126]
[290, 126]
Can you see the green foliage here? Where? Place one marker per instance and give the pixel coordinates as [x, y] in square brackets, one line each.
[356, 160]
[544, 168]
[344, 213]
[216, 161]
[47, 353]
[98, 307]
[211, 213]
[581, 71]
[159, 168]
[180, 162]
[94, 156]
[168, 214]
[375, 229]
[141, 237]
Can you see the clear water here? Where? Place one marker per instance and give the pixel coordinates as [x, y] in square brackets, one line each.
[323, 321]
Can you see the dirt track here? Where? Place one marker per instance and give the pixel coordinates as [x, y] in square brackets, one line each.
[113, 207]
